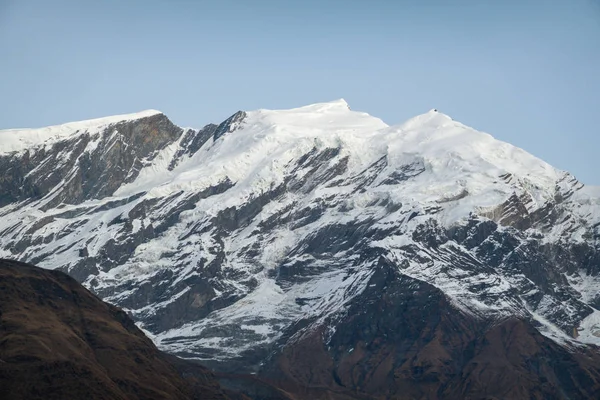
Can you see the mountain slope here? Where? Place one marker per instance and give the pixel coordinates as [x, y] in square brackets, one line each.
[231, 243]
[402, 339]
[59, 341]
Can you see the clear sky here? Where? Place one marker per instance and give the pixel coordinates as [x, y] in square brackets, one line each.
[528, 72]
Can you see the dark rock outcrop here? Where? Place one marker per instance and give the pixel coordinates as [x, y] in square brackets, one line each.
[403, 340]
[75, 172]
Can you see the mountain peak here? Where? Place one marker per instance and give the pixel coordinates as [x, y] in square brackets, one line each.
[339, 105]
[14, 140]
[432, 118]
[333, 104]
[315, 120]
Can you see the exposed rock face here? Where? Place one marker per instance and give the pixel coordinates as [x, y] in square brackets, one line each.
[90, 165]
[279, 237]
[58, 341]
[403, 340]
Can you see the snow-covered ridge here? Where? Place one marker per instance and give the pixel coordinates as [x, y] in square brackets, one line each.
[327, 118]
[15, 140]
[208, 217]
[460, 160]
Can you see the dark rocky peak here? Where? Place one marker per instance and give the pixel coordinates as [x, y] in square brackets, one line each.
[191, 142]
[91, 161]
[230, 124]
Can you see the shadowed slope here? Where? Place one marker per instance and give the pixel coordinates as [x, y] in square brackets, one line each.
[58, 341]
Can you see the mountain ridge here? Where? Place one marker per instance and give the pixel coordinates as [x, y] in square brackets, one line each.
[228, 243]
[336, 106]
[21, 139]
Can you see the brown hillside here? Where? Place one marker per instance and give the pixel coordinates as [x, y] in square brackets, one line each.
[59, 341]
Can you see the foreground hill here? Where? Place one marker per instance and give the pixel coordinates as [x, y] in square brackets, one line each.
[58, 341]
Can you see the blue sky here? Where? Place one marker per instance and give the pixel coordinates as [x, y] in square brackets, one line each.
[528, 72]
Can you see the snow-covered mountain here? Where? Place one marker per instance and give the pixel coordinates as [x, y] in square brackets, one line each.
[232, 243]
